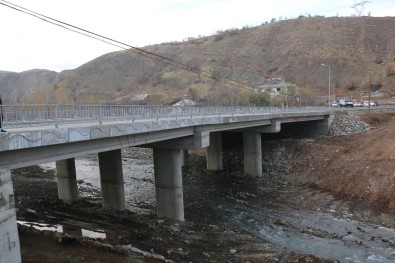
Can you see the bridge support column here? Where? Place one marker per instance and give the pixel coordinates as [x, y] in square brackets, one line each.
[184, 158]
[67, 181]
[214, 152]
[168, 183]
[252, 153]
[111, 179]
[9, 240]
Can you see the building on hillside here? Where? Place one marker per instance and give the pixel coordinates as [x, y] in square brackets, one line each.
[141, 99]
[185, 102]
[276, 86]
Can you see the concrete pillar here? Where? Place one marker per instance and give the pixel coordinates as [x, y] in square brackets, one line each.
[10, 250]
[168, 183]
[252, 153]
[111, 179]
[214, 152]
[184, 158]
[67, 181]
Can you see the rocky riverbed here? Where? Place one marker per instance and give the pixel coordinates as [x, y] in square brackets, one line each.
[137, 233]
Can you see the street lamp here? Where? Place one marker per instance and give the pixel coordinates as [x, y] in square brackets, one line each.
[329, 93]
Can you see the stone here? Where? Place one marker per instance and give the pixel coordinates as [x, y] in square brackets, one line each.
[232, 251]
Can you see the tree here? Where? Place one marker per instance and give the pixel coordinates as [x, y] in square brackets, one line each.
[259, 99]
[223, 95]
[359, 7]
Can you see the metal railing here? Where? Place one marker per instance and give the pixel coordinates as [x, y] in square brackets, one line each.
[19, 116]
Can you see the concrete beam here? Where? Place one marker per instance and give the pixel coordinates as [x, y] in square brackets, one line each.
[274, 127]
[233, 126]
[252, 153]
[300, 118]
[37, 155]
[9, 240]
[214, 152]
[67, 181]
[198, 141]
[111, 179]
[168, 184]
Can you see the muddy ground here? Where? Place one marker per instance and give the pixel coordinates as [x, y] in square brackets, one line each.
[229, 217]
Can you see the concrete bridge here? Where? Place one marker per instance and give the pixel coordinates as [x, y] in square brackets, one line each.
[58, 133]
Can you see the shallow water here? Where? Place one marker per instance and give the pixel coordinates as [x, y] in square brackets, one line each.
[138, 180]
[79, 232]
[253, 207]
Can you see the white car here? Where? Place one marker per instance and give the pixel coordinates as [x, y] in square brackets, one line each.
[334, 104]
[366, 103]
[357, 104]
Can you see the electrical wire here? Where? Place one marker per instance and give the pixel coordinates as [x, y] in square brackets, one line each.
[127, 47]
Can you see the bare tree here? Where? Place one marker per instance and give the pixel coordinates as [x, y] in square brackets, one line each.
[359, 7]
[223, 95]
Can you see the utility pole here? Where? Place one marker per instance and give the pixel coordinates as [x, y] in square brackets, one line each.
[329, 84]
[370, 89]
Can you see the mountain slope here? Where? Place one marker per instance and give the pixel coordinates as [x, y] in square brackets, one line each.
[359, 50]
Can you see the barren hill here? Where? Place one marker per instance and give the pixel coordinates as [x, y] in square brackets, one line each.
[360, 51]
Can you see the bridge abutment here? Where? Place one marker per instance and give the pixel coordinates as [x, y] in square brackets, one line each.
[67, 180]
[252, 153]
[214, 152]
[111, 179]
[312, 129]
[168, 183]
[9, 240]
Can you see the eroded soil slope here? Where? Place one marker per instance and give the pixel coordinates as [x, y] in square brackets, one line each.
[359, 166]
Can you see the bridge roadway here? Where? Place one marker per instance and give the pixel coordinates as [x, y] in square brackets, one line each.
[170, 136]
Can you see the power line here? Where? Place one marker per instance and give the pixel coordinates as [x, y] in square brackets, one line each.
[127, 47]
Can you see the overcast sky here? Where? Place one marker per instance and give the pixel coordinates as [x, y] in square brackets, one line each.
[28, 43]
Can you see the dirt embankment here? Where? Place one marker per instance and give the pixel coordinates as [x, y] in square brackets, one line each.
[359, 166]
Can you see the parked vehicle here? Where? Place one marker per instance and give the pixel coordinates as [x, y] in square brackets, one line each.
[366, 103]
[357, 104]
[345, 103]
[334, 104]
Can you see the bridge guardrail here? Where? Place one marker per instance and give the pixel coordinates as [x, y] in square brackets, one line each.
[27, 115]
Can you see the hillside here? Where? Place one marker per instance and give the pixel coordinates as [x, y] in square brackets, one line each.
[33, 86]
[359, 50]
